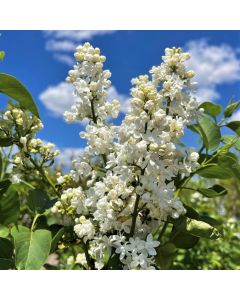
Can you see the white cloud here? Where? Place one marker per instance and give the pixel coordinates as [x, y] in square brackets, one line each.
[66, 59]
[53, 45]
[68, 40]
[58, 99]
[76, 35]
[67, 155]
[213, 65]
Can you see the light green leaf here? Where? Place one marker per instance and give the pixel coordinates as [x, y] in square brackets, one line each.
[2, 54]
[6, 142]
[228, 138]
[211, 109]
[235, 126]
[183, 240]
[56, 239]
[230, 165]
[165, 255]
[196, 228]
[178, 142]
[6, 253]
[214, 172]
[32, 248]
[40, 201]
[214, 191]
[210, 133]
[230, 108]
[4, 231]
[13, 88]
[9, 206]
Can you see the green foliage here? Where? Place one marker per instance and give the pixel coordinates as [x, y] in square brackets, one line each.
[228, 138]
[235, 126]
[6, 253]
[4, 231]
[183, 240]
[56, 239]
[165, 255]
[6, 142]
[230, 108]
[40, 201]
[214, 172]
[32, 248]
[211, 109]
[13, 88]
[2, 54]
[214, 191]
[9, 203]
[115, 263]
[209, 132]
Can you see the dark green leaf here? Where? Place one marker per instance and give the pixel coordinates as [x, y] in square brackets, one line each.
[230, 108]
[32, 248]
[211, 109]
[40, 201]
[9, 206]
[235, 126]
[165, 255]
[183, 240]
[115, 263]
[210, 133]
[13, 88]
[230, 165]
[56, 239]
[6, 253]
[191, 213]
[4, 185]
[50, 267]
[214, 191]
[6, 142]
[214, 172]
[196, 228]
[4, 231]
[211, 221]
[228, 138]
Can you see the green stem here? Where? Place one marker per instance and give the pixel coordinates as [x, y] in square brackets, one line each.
[201, 149]
[134, 217]
[33, 223]
[85, 249]
[163, 231]
[45, 176]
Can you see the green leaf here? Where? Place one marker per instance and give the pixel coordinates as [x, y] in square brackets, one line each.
[25, 185]
[4, 185]
[211, 109]
[196, 228]
[165, 255]
[235, 126]
[50, 267]
[214, 172]
[2, 54]
[191, 213]
[1, 165]
[13, 88]
[183, 240]
[214, 191]
[40, 201]
[230, 108]
[230, 165]
[194, 128]
[6, 253]
[211, 221]
[6, 142]
[32, 248]
[56, 239]
[228, 138]
[9, 206]
[178, 142]
[4, 231]
[210, 133]
[115, 263]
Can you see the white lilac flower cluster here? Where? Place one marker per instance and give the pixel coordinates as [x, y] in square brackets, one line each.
[20, 126]
[131, 167]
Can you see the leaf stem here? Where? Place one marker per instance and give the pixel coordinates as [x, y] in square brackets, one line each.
[163, 231]
[85, 249]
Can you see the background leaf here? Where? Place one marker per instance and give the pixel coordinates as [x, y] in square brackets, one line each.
[6, 253]
[13, 88]
[9, 206]
[165, 255]
[235, 126]
[40, 201]
[215, 191]
[32, 248]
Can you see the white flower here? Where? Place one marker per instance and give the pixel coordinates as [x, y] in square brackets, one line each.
[16, 178]
[150, 245]
[135, 245]
[138, 260]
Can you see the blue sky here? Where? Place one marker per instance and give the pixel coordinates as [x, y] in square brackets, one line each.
[41, 61]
